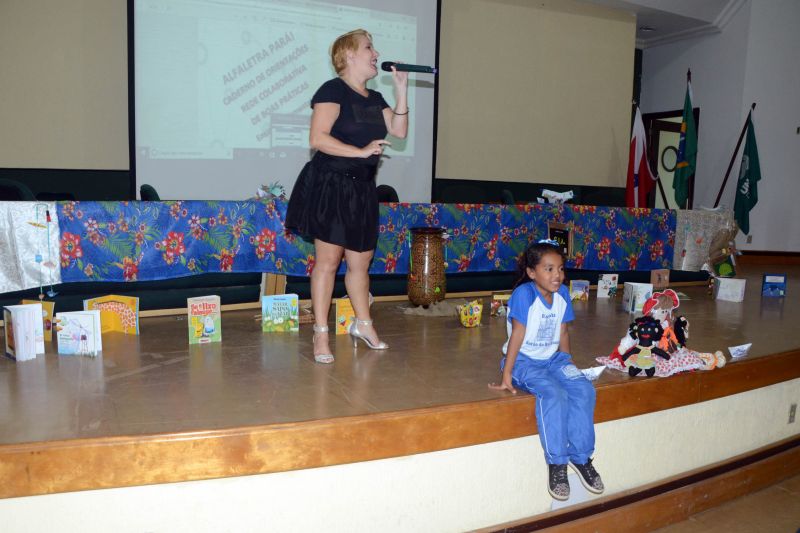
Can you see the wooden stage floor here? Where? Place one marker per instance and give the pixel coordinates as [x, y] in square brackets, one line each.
[156, 384]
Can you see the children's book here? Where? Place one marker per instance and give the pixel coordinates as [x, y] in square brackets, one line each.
[24, 331]
[280, 312]
[47, 316]
[79, 333]
[344, 315]
[773, 285]
[205, 320]
[634, 295]
[607, 285]
[117, 313]
[579, 290]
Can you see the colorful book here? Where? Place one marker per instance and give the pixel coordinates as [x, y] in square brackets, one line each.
[579, 290]
[79, 333]
[47, 316]
[205, 319]
[24, 331]
[344, 315]
[117, 313]
[607, 285]
[773, 285]
[634, 295]
[280, 312]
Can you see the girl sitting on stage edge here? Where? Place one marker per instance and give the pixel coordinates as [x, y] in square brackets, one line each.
[537, 360]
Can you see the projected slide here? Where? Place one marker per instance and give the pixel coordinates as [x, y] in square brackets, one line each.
[216, 77]
[223, 90]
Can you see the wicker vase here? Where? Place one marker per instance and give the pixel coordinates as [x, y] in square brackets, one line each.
[426, 280]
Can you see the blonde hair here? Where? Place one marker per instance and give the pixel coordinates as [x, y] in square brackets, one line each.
[343, 44]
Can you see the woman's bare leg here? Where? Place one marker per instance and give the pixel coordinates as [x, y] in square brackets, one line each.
[327, 259]
[357, 282]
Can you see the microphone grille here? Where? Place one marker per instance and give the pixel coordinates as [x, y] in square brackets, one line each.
[387, 65]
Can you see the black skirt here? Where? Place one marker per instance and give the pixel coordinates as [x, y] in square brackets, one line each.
[334, 200]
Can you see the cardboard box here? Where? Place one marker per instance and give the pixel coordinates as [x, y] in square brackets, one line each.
[729, 289]
[634, 295]
[659, 278]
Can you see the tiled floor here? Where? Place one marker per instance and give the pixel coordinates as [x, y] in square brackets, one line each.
[775, 509]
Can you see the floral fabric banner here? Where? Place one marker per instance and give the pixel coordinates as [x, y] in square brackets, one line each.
[130, 241]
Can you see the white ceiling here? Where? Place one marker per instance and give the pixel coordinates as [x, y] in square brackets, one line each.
[673, 20]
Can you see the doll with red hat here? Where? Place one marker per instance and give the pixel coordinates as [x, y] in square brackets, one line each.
[660, 306]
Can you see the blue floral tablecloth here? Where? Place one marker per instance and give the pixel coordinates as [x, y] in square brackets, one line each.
[130, 241]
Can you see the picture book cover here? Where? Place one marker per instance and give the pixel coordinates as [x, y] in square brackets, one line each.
[773, 285]
[205, 319]
[48, 311]
[280, 312]
[79, 333]
[607, 285]
[344, 315]
[24, 331]
[579, 290]
[634, 295]
[117, 313]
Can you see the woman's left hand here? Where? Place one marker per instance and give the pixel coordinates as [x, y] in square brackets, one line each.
[399, 78]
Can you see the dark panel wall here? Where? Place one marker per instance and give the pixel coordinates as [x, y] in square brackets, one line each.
[63, 184]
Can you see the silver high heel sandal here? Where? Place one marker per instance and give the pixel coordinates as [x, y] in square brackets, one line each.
[324, 358]
[358, 335]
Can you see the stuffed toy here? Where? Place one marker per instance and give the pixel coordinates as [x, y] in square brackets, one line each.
[660, 306]
[722, 252]
[648, 332]
[681, 328]
[625, 343]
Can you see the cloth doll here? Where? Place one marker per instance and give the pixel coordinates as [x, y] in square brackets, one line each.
[641, 357]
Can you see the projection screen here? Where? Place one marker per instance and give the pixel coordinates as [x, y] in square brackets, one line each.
[222, 90]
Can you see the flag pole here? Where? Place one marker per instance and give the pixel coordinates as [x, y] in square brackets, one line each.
[661, 190]
[650, 150]
[733, 157]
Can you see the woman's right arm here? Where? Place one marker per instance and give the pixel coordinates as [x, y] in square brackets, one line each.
[323, 117]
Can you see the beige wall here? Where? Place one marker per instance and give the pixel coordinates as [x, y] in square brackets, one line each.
[528, 91]
[64, 84]
[535, 91]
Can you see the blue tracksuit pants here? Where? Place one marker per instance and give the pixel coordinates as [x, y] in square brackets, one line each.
[564, 406]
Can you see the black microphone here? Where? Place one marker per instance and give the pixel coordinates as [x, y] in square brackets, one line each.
[402, 67]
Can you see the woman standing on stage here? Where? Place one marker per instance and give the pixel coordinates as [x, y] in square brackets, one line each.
[334, 201]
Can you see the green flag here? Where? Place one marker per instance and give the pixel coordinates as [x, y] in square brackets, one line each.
[687, 152]
[747, 186]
